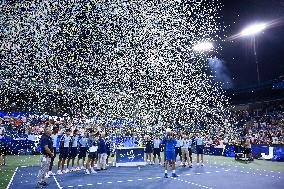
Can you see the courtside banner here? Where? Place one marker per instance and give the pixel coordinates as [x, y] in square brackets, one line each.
[130, 156]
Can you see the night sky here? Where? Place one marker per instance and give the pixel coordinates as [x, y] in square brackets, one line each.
[238, 56]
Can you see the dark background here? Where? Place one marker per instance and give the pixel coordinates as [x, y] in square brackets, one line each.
[238, 56]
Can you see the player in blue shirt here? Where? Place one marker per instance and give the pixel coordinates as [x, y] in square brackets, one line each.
[169, 141]
[199, 140]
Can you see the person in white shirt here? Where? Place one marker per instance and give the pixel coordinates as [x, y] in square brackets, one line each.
[186, 144]
[178, 147]
[157, 149]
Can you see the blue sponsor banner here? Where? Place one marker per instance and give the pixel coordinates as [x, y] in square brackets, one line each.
[126, 155]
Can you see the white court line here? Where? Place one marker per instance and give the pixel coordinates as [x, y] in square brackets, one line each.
[12, 178]
[57, 183]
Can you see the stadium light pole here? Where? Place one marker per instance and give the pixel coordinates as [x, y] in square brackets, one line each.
[252, 31]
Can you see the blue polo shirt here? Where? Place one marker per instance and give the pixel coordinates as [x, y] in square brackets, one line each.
[170, 144]
[45, 140]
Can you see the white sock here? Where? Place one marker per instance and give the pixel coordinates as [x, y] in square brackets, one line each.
[166, 171]
[174, 171]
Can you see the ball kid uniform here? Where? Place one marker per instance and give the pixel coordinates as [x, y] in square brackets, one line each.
[199, 145]
[169, 143]
[157, 149]
[83, 143]
[74, 146]
[54, 142]
[66, 146]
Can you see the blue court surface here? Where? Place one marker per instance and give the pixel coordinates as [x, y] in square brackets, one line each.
[215, 176]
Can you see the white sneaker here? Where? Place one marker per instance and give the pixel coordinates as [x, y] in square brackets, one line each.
[197, 164]
[51, 173]
[77, 168]
[87, 172]
[59, 172]
[66, 171]
[160, 163]
[93, 171]
[82, 167]
[72, 169]
[47, 175]
[202, 164]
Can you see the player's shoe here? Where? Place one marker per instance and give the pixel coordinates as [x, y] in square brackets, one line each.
[87, 172]
[47, 175]
[197, 164]
[82, 167]
[160, 163]
[166, 175]
[93, 171]
[59, 172]
[51, 173]
[174, 175]
[44, 183]
[41, 184]
[77, 168]
[202, 164]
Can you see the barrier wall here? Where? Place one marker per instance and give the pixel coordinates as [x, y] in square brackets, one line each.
[259, 151]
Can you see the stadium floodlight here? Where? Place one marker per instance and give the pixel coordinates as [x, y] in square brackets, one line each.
[204, 46]
[253, 29]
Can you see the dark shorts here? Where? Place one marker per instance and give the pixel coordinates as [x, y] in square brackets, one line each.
[199, 149]
[157, 151]
[4, 150]
[247, 151]
[170, 156]
[74, 152]
[65, 153]
[82, 152]
[178, 151]
[149, 150]
[93, 155]
[190, 151]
